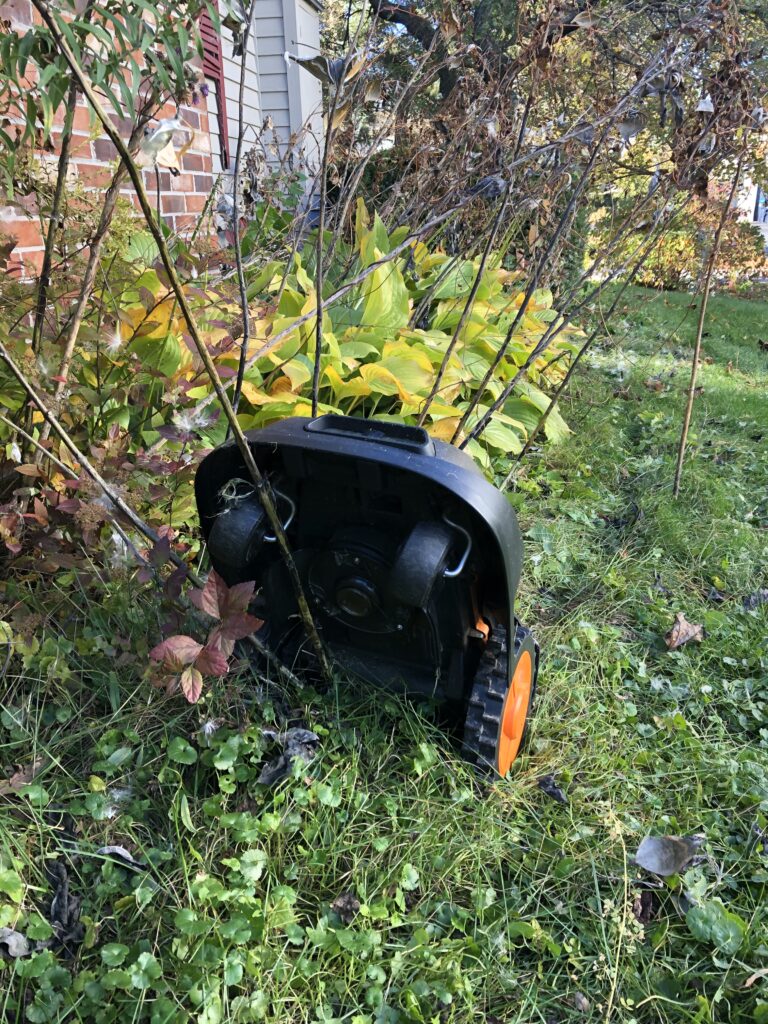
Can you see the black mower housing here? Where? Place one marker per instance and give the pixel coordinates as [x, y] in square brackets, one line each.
[404, 549]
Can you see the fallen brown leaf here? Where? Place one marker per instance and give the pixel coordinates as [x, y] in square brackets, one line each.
[654, 384]
[762, 973]
[667, 855]
[683, 632]
[21, 778]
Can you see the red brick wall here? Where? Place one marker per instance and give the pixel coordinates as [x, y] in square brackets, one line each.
[93, 161]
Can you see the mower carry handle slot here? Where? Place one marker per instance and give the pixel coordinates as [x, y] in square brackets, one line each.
[270, 538]
[400, 435]
[450, 574]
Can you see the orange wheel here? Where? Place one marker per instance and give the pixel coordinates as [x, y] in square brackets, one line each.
[499, 706]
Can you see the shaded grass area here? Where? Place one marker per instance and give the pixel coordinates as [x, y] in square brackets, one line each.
[383, 882]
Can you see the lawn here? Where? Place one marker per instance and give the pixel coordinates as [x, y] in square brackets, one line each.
[384, 882]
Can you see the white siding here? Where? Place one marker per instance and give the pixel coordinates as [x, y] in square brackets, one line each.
[288, 94]
[252, 115]
[213, 128]
[271, 45]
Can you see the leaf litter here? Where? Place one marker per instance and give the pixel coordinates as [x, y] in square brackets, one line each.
[549, 787]
[667, 855]
[297, 744]
[683, 632]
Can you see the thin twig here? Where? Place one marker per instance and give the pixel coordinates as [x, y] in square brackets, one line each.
[465, 313]
[708, 272]
[241, 286]
[320, 255]
[54, 220]
[653, 240]
[89, 276]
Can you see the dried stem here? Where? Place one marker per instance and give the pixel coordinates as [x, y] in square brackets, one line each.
[54, 220]
[89, 279]
[320, 255]
[583, 351]
[707, 277]
[465, 313]
[241, 286]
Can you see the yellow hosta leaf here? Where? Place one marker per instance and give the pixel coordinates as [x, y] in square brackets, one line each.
[395, 349]
[355, 387]
[439, 410]
[444, 428]
[298, 373]
[280, 386]
[252, 394]
[382, 381]
[411, 375]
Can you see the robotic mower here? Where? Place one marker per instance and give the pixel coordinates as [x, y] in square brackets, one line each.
[409, 559]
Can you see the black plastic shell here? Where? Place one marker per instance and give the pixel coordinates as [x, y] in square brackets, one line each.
[456, 479]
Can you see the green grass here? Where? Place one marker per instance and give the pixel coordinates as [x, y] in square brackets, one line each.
[477, 904]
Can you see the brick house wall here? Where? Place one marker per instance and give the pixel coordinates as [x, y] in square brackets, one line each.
[290, 95]
[93, 160]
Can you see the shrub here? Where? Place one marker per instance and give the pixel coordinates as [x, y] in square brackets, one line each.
[138, 401]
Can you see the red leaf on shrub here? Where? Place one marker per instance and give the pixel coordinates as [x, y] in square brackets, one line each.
[191, 684]
[212, 598]
[41, 512]
[68, 505]
[176, 652]
[238, 598]
[236, 627]
[160, 552]
[212, 661]
[172, 586]
[221, 642]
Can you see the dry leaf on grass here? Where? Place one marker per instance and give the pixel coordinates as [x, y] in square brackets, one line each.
[667, 855]
[21, 778]
[14, 944]
[683, 632]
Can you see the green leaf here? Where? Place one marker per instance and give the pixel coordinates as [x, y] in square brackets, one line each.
[226, 755]
[141, 249]
[188, 922]
[163, 356]
[12, 885]
[144, 971]
[409, 877]
[114, 953]
[713, 922]
[185, 815]
[181, 751]
[384, 304]
[253, 864]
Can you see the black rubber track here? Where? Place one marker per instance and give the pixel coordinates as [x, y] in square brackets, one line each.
[489, 690]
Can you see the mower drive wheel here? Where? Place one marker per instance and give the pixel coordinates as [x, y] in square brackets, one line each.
[501, 699]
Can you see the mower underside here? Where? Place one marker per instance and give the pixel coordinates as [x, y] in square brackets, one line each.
[406, 554]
